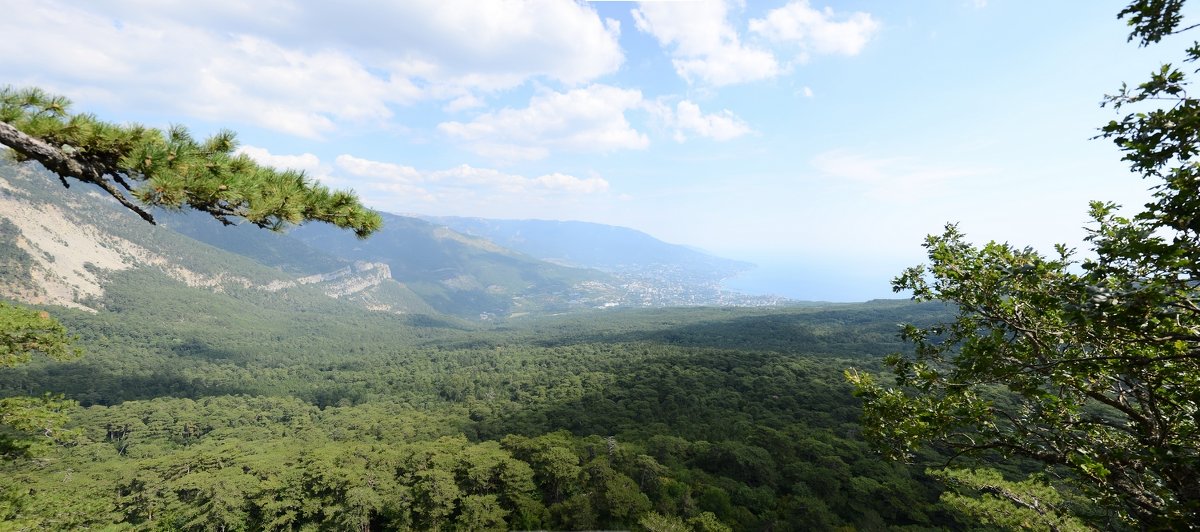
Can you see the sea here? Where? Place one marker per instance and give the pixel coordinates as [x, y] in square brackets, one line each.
[816, 281]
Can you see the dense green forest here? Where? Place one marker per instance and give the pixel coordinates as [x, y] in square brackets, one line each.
[230, 406]
[237, 410]
[212, 400]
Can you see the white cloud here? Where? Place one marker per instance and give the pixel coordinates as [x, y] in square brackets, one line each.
[687, 118]
[705, 48]
[387, 186]
[401, 188]
[807, 92]
[377, 170]
[490, 45]
[305, 162]
[461, 103]
[466, 175]
[589, 119]
[294, 92]
[572, 184]
[273, 63]
[817, 31]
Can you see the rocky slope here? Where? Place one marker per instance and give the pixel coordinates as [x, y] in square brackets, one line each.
[59, 246]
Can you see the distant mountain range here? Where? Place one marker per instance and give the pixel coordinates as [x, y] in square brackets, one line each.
[607, 248]
[58, 246]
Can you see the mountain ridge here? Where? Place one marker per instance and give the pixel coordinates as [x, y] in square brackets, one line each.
[56, 246]
[609, 248]
[61, 247]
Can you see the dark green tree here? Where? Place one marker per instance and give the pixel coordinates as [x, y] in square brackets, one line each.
[1090, 365]
[23, 333]
[987, 497]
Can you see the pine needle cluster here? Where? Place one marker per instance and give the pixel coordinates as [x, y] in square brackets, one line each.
[169, 169]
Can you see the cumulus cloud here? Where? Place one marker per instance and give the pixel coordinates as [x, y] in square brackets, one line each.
[817, 31]
[290, 91]
[387, 186]
[489, 45]
[589, 119]
[272, 63]
[687, 118]
[306, 162]
[705, 48]
[377, 170]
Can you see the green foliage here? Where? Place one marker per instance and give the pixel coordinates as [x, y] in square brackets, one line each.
[655, 522]
[705, 522]
[25, 331]
[1090, 366]
[168, 168]
[15, 261]
[210, 410]
[988, 498]
[23, 417]
[1080, 370]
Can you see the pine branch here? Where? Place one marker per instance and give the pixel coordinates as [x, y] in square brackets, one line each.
[145, 167]
[64, 165]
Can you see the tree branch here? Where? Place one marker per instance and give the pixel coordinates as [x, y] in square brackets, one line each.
[64, 165]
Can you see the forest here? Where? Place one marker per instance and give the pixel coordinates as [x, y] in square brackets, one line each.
[196, 410]
[182, 387]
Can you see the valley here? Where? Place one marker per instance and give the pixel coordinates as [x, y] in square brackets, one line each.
[234, 378]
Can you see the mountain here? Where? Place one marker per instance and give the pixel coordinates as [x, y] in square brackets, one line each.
[270, 248]
[461, 274]
[68, 246]
[608, 248]
[62, 246]
[463, 270]
[653, 272]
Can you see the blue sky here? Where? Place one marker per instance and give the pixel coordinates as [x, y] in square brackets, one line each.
[819, 139]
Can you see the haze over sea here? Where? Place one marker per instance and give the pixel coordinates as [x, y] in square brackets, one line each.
[809, 280]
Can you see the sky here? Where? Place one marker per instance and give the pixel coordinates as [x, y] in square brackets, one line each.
[819, 139]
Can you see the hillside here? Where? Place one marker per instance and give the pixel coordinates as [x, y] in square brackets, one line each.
[464, 275]
[60, 246]
[57, 243]
[66, 246]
